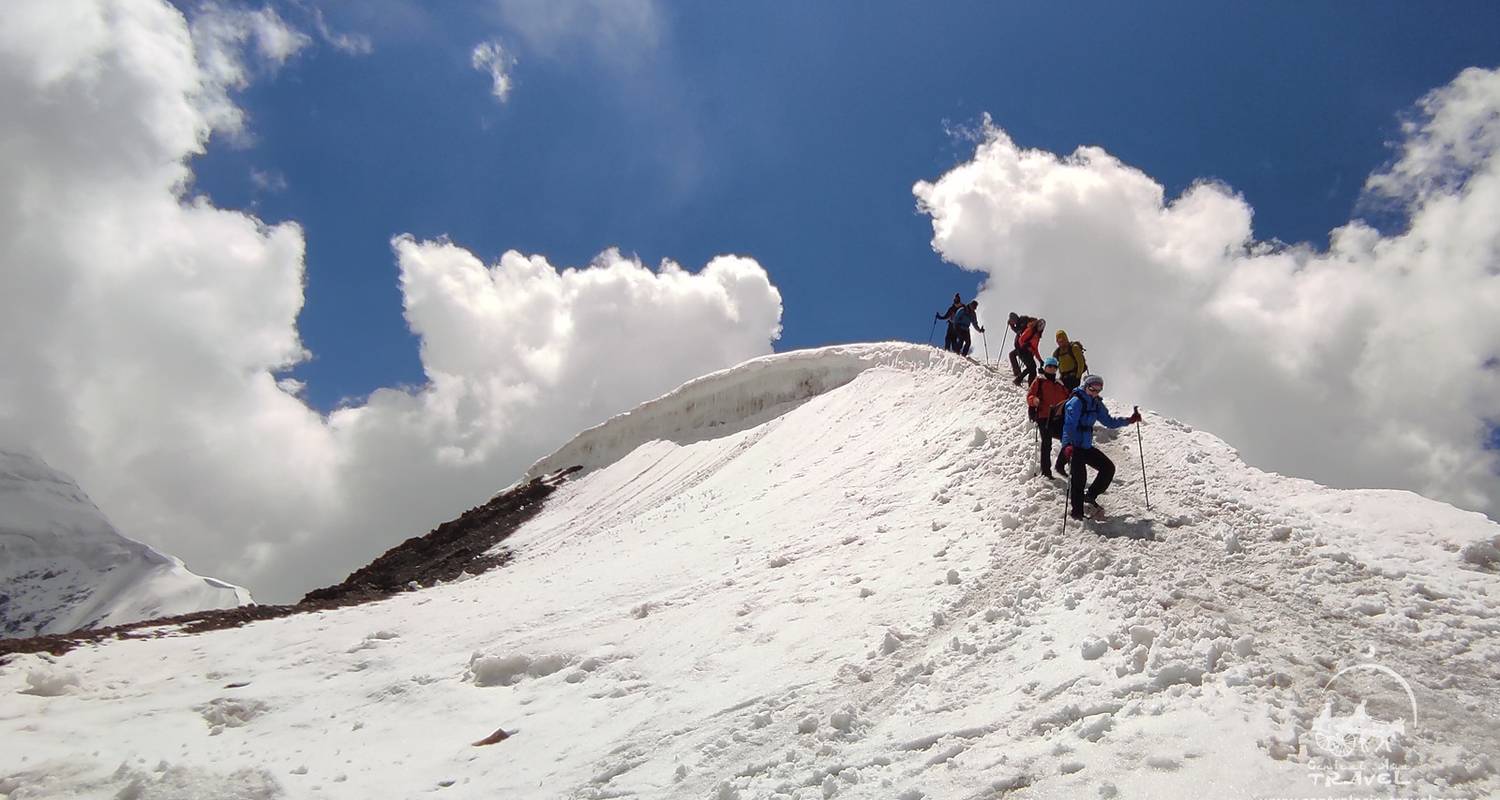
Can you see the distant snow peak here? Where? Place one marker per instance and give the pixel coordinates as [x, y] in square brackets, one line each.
[64, 567]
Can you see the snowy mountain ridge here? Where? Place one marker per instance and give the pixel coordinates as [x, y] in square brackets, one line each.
[836, 573]
[728, 401]
[64, 567]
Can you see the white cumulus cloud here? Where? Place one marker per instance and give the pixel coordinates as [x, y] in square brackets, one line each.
[490, 57]
[1371, 363]
[148, 334]
[231, 42]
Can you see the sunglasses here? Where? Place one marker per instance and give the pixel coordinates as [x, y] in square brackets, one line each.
[1094, 388]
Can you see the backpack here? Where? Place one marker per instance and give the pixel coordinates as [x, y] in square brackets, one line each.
[1079, 361]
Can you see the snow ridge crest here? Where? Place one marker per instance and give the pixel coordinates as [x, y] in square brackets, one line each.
[735, 399]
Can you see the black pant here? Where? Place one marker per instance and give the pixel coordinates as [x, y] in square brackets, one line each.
[1050, 430]
[1029, 374]
[1071, 379]
[965, 341]
[1089, 457]
[950, 339]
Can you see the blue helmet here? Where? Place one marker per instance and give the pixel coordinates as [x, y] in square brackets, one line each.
[1049, 361]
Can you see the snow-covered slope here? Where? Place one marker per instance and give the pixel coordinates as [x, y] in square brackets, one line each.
[835, 574]
[64, 567]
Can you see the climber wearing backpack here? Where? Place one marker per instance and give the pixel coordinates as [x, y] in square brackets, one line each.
[1082, 411]
[963, 318]
[950, 339]
[1026, 351]
[1071, 364]
[1017, 323]
[1045, 401]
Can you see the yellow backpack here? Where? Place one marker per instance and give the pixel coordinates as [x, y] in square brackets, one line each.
[1074, 354]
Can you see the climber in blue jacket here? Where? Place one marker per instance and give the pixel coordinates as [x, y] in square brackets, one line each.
[1083, 410]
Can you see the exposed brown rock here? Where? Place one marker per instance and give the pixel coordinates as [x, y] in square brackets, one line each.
[498, 736]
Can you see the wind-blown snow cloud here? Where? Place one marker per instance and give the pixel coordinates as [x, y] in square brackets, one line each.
[617, 29]
[149, 333]
[354, 44]
[491, 58]
[1370, 364]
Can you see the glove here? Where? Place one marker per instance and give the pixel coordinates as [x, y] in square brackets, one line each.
[937, 316]
[981, 330]
[1136, 417]
[1067, 452]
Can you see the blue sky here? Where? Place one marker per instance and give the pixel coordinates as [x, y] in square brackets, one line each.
[793, 134]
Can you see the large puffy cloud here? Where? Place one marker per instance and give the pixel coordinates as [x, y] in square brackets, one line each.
[519, 356]
[1372, 363]
[148, 333]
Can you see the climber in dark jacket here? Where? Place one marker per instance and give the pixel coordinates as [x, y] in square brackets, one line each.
[950, 339]
[966, 316]
[1026, 351]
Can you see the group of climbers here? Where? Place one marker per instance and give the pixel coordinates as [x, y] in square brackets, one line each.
[1064, 401]
[960, 316]
[1071, 364]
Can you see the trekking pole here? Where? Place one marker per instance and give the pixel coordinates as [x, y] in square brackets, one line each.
[1002, 345]
[1067, 502]
[931, 332]
[1142, 449]
[986, 346]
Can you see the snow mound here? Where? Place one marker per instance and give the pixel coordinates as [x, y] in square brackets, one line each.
[838, 574]
[735, 399]
[64, 567]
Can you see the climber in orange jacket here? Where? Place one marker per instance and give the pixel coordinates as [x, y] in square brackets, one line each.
[1044, 401]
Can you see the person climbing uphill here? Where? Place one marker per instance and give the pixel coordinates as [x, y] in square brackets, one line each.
[1026, 351]
[1083, 409]
[963, 318]
[950, 339]
[1018, 324]
[1045, 399]
[1071, 364]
